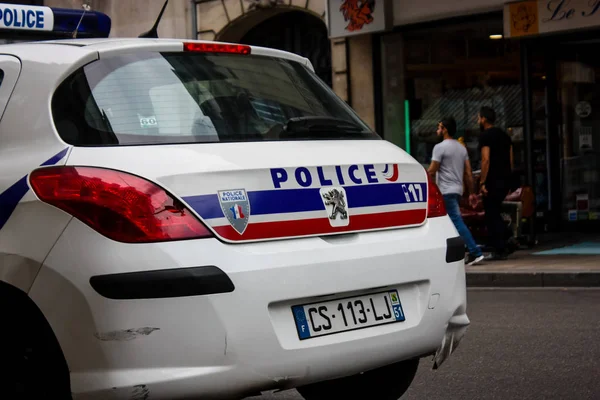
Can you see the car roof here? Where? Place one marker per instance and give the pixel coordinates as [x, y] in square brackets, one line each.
[106, 46]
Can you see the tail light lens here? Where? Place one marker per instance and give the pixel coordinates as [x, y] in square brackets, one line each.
[435, 201]
[120, 206]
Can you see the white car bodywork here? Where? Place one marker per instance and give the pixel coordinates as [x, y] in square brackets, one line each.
[234, 343]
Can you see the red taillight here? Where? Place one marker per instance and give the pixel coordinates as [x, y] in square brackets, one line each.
[435, 201]
[217, 48]
[120, 206]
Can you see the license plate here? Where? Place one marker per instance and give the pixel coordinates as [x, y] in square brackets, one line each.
[348, 314]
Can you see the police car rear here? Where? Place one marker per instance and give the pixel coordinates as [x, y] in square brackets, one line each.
[236, 228]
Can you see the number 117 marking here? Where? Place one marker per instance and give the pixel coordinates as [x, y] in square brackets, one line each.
[413, 189]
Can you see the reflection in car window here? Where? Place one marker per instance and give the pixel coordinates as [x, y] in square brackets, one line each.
[145, 98]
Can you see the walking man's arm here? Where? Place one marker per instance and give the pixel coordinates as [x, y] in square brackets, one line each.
[485, 167]
[433, 169]
[436, 160]
[469, 181]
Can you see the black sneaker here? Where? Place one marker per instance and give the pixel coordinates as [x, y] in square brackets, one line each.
[472, 260]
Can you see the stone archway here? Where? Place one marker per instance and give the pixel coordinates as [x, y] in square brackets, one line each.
[231, 19]
[292, 25]
[297, 32]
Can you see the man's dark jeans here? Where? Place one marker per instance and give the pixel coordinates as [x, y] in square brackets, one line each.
[492, 204]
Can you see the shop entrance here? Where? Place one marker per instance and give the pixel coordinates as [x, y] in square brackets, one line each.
[578, 98]
[565, 91]
[546, 93]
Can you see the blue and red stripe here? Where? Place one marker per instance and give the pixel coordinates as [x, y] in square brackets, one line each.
[284, 201]
[289, 201]
[321, 226]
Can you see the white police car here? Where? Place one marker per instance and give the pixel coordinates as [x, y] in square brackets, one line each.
[206, 220]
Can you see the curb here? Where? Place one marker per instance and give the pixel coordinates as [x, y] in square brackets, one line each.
[533, 279]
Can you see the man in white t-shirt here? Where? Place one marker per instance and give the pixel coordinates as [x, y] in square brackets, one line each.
[450, 162]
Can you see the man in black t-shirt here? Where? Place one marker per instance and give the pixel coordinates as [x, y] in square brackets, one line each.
[496, 172]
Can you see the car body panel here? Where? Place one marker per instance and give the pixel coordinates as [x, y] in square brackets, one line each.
[227, 343]
[283, 190]
[248, 334]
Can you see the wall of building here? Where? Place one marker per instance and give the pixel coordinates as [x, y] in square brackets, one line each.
[132, 18]
[415, 11]
[360, 50]
[339, 68]
[361, 77]
[229, 20]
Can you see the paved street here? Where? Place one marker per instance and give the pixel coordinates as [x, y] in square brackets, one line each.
[522, 344]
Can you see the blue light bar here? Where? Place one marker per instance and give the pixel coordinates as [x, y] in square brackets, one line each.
[53, 22]
[93, 24]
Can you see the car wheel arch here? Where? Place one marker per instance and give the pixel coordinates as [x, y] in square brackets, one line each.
[22, 318]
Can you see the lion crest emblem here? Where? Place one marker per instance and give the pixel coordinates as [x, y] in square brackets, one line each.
[336, 199]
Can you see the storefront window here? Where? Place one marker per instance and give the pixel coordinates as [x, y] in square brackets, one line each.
[449, 70]
[579, 100]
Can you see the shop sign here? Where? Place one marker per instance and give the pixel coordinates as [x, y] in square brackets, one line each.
[572, 215]
[356, 17]
[526, 18]
[585, 138]
[583, 202]
[583, 109]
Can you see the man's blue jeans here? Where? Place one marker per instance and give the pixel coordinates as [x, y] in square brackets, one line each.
[453, 209]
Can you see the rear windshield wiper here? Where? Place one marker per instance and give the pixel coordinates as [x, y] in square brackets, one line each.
[319, 124]
[107, 123]
[319, 128]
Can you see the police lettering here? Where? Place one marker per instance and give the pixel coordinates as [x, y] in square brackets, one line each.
[21, 18]
[319, 176]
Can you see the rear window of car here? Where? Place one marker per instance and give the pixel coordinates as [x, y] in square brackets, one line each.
[167, 98]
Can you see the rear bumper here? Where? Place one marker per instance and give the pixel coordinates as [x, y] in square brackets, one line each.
[457, 328]
[244, 340]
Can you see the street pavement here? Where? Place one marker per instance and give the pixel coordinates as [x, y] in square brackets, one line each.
[522, 344]
[527, 270]
[524, 268]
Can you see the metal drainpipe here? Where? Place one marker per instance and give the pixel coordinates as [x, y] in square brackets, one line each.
[528, 125]
[348, 77]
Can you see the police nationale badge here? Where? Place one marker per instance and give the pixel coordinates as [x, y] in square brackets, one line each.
[236, 207]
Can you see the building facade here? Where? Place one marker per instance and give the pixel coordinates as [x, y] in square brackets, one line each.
[532, 61]
[403, 64]
[299, 26]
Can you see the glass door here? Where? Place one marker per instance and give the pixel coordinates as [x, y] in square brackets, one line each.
[542, 90]
[578, 96]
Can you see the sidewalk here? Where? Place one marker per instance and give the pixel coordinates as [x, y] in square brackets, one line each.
[526, 269]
